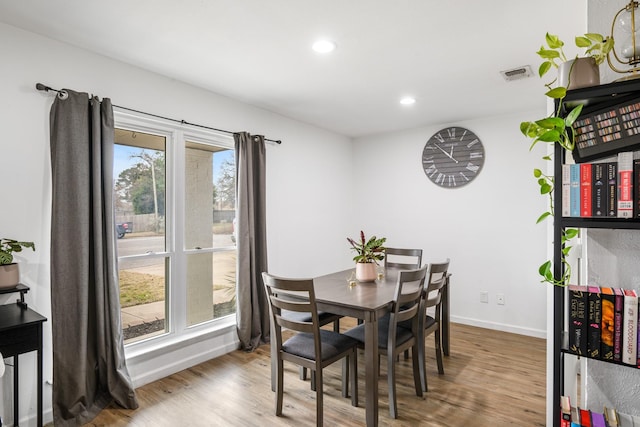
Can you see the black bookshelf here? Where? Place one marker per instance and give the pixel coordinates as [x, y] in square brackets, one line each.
[594, 99]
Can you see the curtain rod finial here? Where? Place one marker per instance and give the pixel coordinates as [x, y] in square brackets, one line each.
[40, 86]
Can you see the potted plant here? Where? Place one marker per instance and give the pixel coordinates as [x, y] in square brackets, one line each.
[557, 128]
[9, 272]
[368, 253]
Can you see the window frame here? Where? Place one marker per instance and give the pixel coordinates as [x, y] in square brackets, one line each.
[176, 134]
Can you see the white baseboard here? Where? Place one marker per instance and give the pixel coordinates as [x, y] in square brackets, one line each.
[537, 333]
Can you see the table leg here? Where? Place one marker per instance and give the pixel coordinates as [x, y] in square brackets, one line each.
[445, 317]
[40, 381]
[371, 368]
[16, 414]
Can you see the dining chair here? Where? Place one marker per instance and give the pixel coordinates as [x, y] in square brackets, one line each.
[437, 278]
[310, 346]
[394, 339]
[402, 258]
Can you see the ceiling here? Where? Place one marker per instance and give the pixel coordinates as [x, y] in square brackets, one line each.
[447, 54]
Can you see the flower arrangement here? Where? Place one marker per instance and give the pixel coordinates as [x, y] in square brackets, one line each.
[368, 251]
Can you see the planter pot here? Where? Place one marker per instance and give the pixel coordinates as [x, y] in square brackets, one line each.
[579, 72]
[9, 276]
[366, 271]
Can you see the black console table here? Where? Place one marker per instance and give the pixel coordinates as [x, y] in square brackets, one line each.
[21, 332]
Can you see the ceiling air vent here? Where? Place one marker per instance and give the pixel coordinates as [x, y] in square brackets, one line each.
[517, 73]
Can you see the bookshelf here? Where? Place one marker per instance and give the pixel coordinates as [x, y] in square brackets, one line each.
[600, 103]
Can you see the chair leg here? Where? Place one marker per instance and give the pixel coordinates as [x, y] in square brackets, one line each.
[303, 373]
[319, 397]
[354, 378]
[345, 376]
[336, 325]
[439, 352]
[279, 387]
[313, 380]
[422, 362]
[417, 374]
[391, 379]
[406, 354]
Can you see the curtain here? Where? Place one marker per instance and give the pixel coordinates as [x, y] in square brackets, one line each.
[252, 311]
[89, 370]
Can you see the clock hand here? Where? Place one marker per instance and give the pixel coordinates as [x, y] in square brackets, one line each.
[451, 155]
[445, 153]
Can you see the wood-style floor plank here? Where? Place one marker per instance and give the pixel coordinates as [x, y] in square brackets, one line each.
[491, 379]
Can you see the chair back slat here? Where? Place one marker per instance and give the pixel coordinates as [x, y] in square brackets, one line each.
[409, 290]
[292, 295]
[402, 258]
[437, 277]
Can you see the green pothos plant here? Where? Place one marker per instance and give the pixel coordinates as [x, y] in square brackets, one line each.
[558, 128]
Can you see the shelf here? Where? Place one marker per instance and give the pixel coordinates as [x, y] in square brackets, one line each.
[612, 223]
[23, 289]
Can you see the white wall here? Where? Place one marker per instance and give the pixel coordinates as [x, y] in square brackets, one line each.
[308, 207]
[487, 228]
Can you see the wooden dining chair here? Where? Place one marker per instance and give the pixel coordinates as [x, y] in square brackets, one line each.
[310, 347]
[402, 258]
[394, 339]
[437, 278]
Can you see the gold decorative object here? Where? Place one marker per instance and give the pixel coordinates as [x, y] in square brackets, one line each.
[625, 26]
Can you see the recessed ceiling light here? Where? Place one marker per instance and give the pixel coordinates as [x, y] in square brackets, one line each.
[324, 46]
[408, 100]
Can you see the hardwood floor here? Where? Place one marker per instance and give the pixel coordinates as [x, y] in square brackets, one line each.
[491, 379]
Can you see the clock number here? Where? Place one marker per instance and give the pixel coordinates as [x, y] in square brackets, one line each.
[431, 170]
[439, 138]
[472, 143]
[452, 181]
[475, 155]
[440, 178]
[428, 160]
[466, 178]
[473, 168]
[463, 134]
[451, 132]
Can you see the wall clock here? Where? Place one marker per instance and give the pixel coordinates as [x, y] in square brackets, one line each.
[453, 157]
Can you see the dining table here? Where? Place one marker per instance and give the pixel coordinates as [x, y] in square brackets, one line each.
[341, 294]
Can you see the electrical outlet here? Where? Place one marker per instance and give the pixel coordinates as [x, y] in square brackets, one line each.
[500, 299]
[484, 296]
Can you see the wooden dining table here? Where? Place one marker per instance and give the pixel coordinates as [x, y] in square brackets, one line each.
[368, 301]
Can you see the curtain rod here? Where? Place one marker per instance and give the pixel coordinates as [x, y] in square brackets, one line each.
[62, 93]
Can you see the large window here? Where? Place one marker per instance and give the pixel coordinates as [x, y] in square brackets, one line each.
[175, 217]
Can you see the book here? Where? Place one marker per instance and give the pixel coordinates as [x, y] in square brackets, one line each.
[597, 419]
[630, 325]
[611, 416]
[594, 319]
[617, 328]
[625, 184]
[578, 300]
[612, 189]
[575, 417]
[599, 189]
[636, 186]
[565, 411]
[574, 189]
[607, 322]
[566, 190]
[585, 189]
[585, 417]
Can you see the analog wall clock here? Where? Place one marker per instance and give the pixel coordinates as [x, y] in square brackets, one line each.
[453, 157]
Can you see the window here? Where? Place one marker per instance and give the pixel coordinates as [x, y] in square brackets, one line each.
[175, 216]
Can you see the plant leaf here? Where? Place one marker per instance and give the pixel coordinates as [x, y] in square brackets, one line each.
[557, 92]
[542, 217]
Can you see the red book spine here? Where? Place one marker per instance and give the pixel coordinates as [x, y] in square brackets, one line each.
[585, 190]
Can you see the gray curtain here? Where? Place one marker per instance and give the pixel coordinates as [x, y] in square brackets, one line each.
[89, 370]
[252, 309]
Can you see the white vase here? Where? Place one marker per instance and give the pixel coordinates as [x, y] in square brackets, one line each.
[9, 276]
[579, 72]
[366, 271]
